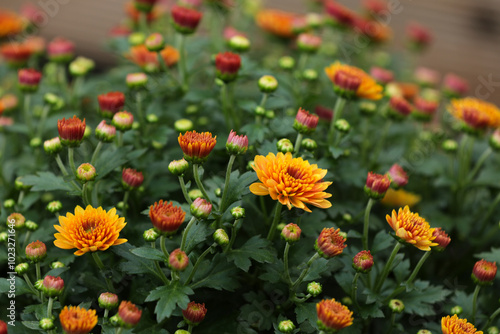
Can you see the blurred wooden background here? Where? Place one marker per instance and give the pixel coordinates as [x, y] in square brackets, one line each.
[466, 33]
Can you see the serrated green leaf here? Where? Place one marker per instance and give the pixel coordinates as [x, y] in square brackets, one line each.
[238, 187]
[169, 297]
[492, 256]
[133, 265]
[199, 232]
[344, 279]
[307, 311]
[273, 272]
[382, 240]
[255, 132]
[31, 325]
[20, 285]
[222, 275]
[335, 151]
[371, 311]
[148, 253]
[46, 181]
[111, 159]
[420, 301]
[255, 248]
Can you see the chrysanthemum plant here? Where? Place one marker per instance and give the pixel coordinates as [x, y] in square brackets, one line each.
[263, 169]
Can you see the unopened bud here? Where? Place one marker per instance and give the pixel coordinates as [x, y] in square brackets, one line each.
[152, 118]
[178, 260]
[396, 305]
[287, 63]
[286, 326]
[35, 142]
[367, 108]
[342, 125]
[31, 225]
[46, 324]
[108, 300]
[284, 145]
[310, 74]
[22, 268]
[268, 84]
[238, 212]
[150, 235]
[194, 194]
[309, 144]
[457, 309]
[218, 192]
[57, 264]
[221, 238]
[183, 125]
[291, 233]
[270, 114]
[86, 172]
[260, 111]
[314, 288]
[178, 167]
[239, 43]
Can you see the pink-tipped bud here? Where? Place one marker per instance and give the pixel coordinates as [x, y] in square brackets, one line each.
[123, 120]
[108, 300]
[178, 260]
[484, 272]
[305, 122]
[399, 107]
[236, 144]
[376, 185]
[324, 113]
[424, 109]
[346, 84]
[398, 176]
[426, 77]
[185, 20]
[201, 208]
[330, 243]
[442, 239]
[381, 75]
[227, 65]
[52, 286]
[455, 86]
[363, 261]
[194, 313]
[495, 140]
[418, 36]
[60, 50]
[136, 80]
[291, 233]
[110, 103]
[105, 132]
[28, 79]
[129, 314]
[178, 167]
[155, 42]
[16, 221]
[52, 146]
[308, 42]
[36, 251]
[131, 178]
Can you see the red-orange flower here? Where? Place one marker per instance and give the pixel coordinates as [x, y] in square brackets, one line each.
[16, 54]
[89, 230]
[166, 217]
[455, 325]
[367, 87]
[71, 131]
[330, 243]
[484, 272]
[194, 313]
[148, 60]
[196, 146]
[332, 315]
[475, 113]
[276, 22]
[12, 24]
[412, 228]
[292, 181]
[129, 314]
[76, 320]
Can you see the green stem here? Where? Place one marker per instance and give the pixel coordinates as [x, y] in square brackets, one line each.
[119, 330]
[49, 307]
[387, 268]
[138, 102]
[198, 262]
[412, 276]
[63, 169]
[106, 313]
[38, 271]
[190, 329]
[183, 62]
[285, 264]
[143, 23]
[99, 263]
[366, 224]
[226, 183]
[305, 271]
[337, 112]
[225, 109]
[43, 118]
[491, 209]
[125, 200]
[491, 318]
[263, 208]
[474, 303]
[27, 114]
[479, 164]
[393, 323]
[184, 190]
[20, 198]
[96, 152]
[164, 247]
[30, 285]
[234, 231]
[354, 290]
[85, 198]
[185, 233]
[298, 141]
[71, 157]
[198, 181]
[276, 220]
[119, 139]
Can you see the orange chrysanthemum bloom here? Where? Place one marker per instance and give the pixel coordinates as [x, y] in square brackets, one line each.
[292, 181]
[89, 230]
[166, 217]
[476, 114]
[76, 320]
[276, 22]
[455, 325]
[412, 228]
[332, 315]
[148, 60]
[196, 145]
[12, 24]
[368, 87]
[400, 198]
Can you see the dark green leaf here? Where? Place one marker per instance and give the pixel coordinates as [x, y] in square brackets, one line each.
[307, 311]
[31, 325]
[255, 132]
[21, 287]
[110, 160]
[169, 297]
[336, 151]
[199, 232]
[255, 248]
[222, 275]
[46, 181]
[382, 241]
[420, 300]
[493, 255]
[149, 253]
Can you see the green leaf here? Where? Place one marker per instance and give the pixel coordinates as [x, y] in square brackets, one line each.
[382, 241]
[46, 181]
[218, 274]
[336, 151]
[420, 300]
[21, 287]
[134, 265]
[31, 325]
[492, 256]
[255, 132]
[110, 160]
[273, 272]
[238, 186]
[255, 248]
[307, 311]
[148, 253]
[199, 232]
[371, 311]
[169, 297]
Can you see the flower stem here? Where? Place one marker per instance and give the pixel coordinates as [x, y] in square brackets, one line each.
[184, 190]
[354, 290]
[49, 307]
[106, 313]
[305, 271]
[285, 264]
[140, 113]
[27, 114]
[43, 118]
[479, 164]
[198, 262]
[185, 233]
[63, 169]
[85, 197]
[366, 224]
[71, 158]
[157, 265]
[125, 200]
[387, 268]
[198, 181]
[474, 303]
[337, 112]
[225, 109]
[38, 271]
[183, 63]
[143, 23]
[190, 329]
[30, 285]
[222, 206]
[298, 141]
[119, 330]
[234, 231]
[96, 152]
[99, 263]
[380, 144]
[491, 318]
[412, 276]
[274, 225]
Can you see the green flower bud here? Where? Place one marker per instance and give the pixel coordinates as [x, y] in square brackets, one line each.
[347, 217]
[314, 288]
[239, 43]
[31, 225]
[46, 324]
[136, 38]
[20, 185]
[157, 145]
[108, 300]
[457, 309]
[150, 235]
[88, 132]
[22, 268]
[270, 114]
[450, 145]
[310, 74]
[183, 125]
[203, 121]
[493, 330]
[220, 237]
[367, 108]
[152, 118]
[194, 194]
[81, 66]
[286, 326]
[136, 125]
[155, 42]
[181, 331]
[268, 84]
[39, 285]
[178, 167]
[54, 101]
[346, 301]
[396, 305]
[287, 63]
[52, 146]
[115, 320]
[259, 111]
[192, 109]
[238, 212]
[218, 192]
[35, 142]
[250, 165]
[86, 172]
[54, 206]
[57, 264]
[342, 125]
[3, 236]
[424, 331]
[309, 144]
[284, 145]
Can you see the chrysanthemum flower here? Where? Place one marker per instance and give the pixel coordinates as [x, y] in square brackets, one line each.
[185, 19]
[148, 60]
[194, 313]
[484, 272]
[292, 181]
[332, 315]
[276, 22]
[367, 88]
[71, 131]
[16, 54]
[330, 243]
[60, 50]
[12, 24]
[455, 325]
[89, 230]
[400, 198]
[475, 113]
[398, 176]
[196, 146]
[166, 217]
[129, 314]
[455, 86]
[442, 239]
[341, 15]
[412, 228]
[76, 320]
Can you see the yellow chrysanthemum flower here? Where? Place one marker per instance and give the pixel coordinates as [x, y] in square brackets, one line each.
[292, 181]
[353, 78]
[476, 113]
[89, 230]
[400, 198]
[412, 228]
[455, 325]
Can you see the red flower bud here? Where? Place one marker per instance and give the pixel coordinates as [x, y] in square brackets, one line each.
[185, 19]
[442, 239]
[52, 286]
[398, 176]
[110, 103]
[376, 185]
[194, 313]
[60, 50]
[71, 131]
[29, 79]
[330, 243]
[129, 314]
[227, 65]
[131, 178]
[363, 261]
[291, 232]
[484, 272]
[36, 251]
[178, 260]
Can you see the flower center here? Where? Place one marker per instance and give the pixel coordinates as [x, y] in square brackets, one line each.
[89, 225]
[295, 172]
